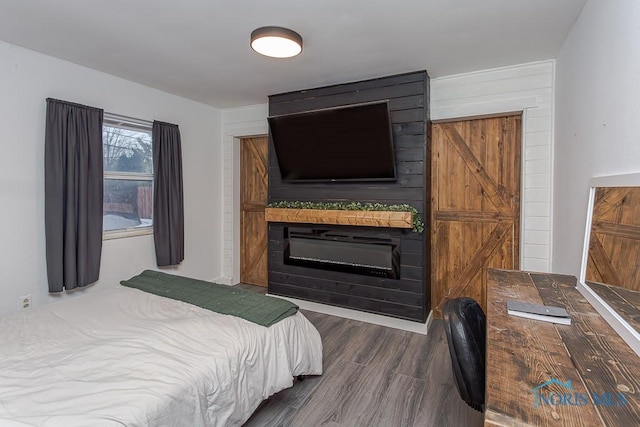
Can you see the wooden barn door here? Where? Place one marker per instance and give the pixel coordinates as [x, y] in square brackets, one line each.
[253, 199]
[475, 205]
[614, 257]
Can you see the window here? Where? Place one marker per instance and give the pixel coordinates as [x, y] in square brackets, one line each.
[128, 177]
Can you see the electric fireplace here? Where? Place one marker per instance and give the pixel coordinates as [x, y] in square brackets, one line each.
[349, 252]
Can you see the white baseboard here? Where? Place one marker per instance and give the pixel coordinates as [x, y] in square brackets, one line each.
[222, 280]
[390, 322]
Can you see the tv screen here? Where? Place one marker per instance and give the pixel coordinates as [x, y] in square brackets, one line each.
[353, 143]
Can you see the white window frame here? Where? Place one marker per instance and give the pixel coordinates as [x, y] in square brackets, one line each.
[130, 123]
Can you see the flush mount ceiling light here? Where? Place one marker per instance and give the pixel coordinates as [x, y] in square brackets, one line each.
[276, 42]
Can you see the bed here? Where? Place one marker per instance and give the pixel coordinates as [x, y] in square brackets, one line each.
[121, 356]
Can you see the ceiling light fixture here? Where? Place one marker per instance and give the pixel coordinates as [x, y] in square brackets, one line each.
[276, 42]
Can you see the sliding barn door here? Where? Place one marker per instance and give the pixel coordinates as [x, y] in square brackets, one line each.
[253, 199]
[475, 205]
[615, 238]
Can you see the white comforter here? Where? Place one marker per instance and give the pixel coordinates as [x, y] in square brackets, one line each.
[119, 356]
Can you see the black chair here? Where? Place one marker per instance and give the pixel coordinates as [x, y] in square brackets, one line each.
[465, 325]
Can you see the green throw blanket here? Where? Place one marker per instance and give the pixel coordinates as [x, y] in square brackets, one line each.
[223, 299]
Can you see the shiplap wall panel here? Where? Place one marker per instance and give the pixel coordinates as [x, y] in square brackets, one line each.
[236, 123]
[407, 297]
[528, 88]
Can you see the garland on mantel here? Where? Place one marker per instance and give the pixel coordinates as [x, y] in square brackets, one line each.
[418, 225]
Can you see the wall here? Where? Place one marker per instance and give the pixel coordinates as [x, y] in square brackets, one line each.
[27, 78]
[407, 297]
[528, 88]
[598, 116]
[236, 123]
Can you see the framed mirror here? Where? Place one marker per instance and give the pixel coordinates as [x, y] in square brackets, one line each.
[610, 271]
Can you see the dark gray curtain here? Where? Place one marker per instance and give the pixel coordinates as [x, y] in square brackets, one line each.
[73, 194]
[168, 204]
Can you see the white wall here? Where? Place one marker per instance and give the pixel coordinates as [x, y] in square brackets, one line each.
[598, 115]
[236, 123]
[27, 78]
[527, 87]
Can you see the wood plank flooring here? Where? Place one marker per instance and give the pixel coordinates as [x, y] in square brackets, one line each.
[373, 376]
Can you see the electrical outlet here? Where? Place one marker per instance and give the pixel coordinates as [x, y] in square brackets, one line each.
[25, 301]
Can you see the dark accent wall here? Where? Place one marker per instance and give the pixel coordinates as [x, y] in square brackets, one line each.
[409, 296]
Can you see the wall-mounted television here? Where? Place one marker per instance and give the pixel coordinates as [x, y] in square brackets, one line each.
[351, 143]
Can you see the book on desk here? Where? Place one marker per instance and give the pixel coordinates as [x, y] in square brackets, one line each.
[541, 312]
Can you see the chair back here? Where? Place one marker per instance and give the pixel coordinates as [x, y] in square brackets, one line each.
[465, 326]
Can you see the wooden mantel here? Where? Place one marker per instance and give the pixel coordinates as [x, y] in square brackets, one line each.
[341, 217]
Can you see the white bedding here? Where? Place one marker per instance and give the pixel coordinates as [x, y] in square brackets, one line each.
[120, 356]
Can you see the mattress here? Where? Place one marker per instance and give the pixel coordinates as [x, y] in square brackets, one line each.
[119, 356]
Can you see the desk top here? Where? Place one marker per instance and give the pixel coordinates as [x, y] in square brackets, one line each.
[540, 373]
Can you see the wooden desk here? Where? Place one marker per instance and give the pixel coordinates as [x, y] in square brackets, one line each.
[523, 354]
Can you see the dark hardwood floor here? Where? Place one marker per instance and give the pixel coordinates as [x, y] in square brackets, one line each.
[373, 376]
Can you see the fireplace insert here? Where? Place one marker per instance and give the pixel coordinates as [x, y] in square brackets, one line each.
[362, 252]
